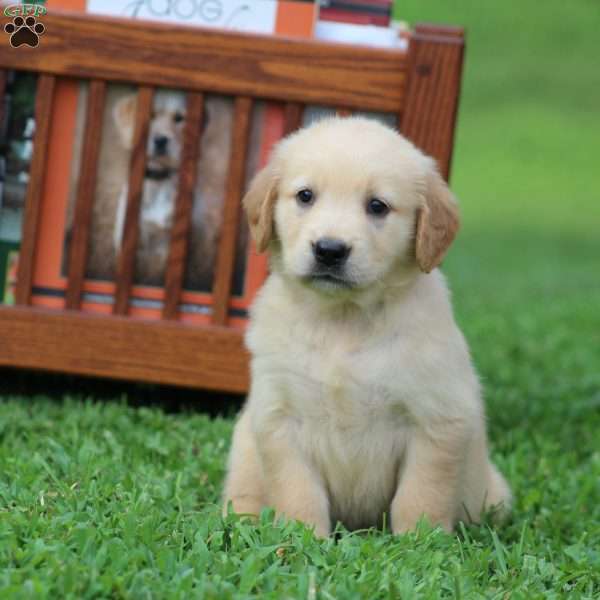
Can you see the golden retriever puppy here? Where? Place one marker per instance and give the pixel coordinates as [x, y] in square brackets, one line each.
[364, 399]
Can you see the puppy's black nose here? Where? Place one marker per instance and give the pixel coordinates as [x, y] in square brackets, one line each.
[331, 252]
[160, 144]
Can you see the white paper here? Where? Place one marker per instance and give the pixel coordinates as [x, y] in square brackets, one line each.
[366, 35]
[242, 15]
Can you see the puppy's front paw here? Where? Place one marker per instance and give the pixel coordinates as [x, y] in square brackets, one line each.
[408, 511]
[411, 525]
[320, 526]
[243, 505]
[322, 530]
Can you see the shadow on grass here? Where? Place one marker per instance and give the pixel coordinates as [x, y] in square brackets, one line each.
[171, 399]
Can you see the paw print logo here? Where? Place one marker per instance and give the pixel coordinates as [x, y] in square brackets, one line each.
[24, 31]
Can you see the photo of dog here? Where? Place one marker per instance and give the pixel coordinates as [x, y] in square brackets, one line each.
[164, 148]
[364, 399]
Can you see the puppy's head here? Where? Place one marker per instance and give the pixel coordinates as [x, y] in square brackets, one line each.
[347, 203]
[165, 135]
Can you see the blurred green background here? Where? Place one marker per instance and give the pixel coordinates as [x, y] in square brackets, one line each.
[528, 144]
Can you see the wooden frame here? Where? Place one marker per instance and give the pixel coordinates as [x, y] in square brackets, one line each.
[420, 86]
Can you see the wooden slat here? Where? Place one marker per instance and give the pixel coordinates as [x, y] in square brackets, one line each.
[231, 210]
[86, 188]
[292, 115]
[122, 348]
[429, 118]
[182, 221]
[127, 253]
[269, 67]
[43, 110]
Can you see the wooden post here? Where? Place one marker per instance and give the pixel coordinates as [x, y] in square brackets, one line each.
[33, 198]
[86, 188]
[129, 239]
[231, 210]
[182, 220]
[434, 73]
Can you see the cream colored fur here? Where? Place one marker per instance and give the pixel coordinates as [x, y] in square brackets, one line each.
[364, 400]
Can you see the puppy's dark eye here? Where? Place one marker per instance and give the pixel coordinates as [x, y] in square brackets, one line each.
[178, 117]
[305, 196]
[377, 208]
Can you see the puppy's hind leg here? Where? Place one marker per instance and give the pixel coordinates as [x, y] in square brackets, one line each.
[244, 486]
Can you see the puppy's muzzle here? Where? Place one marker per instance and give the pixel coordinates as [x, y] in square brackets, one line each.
[330, 252]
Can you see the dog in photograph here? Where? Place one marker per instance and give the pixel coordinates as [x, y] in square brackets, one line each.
[164, 149]
[363, 399]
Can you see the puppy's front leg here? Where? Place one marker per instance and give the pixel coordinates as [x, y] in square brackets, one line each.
[244, 485]
[430, 483]
[293, 488]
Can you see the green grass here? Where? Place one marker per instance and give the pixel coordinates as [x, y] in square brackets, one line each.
[104, 500]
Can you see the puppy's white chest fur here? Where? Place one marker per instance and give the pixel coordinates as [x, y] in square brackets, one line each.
[353, 433]
[333, 395]
[159, 200]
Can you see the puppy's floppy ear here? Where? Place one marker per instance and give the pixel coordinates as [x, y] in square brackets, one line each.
[259, 203]
[124, 117]
[437, 222]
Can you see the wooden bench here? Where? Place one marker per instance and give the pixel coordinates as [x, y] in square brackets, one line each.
[420, 86]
